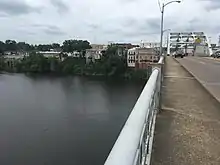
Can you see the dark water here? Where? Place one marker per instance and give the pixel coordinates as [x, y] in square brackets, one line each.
[61, 121]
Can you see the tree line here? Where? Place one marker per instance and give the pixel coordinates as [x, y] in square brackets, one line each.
[110, 65]
[66, 46]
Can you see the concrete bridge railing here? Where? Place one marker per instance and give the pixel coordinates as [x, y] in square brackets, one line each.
[134, 144]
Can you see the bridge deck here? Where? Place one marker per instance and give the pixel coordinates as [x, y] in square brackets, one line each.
[188, 127]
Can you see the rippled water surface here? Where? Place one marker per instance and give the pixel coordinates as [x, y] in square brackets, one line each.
[61, 121]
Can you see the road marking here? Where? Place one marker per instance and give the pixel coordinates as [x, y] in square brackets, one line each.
[213, 59]
[212, 83]
[202, 62]
[180, 77]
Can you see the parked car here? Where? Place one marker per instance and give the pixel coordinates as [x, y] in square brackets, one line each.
[216, 54]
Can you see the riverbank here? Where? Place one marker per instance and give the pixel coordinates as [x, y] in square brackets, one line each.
[109, 67]
[129, 76]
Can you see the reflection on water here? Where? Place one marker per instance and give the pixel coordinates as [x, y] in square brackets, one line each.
[61, 121]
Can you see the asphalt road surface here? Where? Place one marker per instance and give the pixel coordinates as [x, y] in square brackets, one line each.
[206, 70]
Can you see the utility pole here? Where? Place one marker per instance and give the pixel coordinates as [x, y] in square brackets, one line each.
[219, 41]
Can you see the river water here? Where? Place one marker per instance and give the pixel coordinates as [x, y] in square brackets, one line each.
[61, 120]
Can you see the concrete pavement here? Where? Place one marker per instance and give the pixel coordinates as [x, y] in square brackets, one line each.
[206, 70]
[188, 126]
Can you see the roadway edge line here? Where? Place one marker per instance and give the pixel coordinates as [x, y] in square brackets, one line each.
[197, 79]
[212, 59]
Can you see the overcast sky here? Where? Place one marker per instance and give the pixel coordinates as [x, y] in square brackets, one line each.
[100, 21]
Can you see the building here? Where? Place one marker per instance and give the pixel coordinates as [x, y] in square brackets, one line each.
[99, 46]
[92, 55]
[95, 52]
[16, 53]
[12, 59]
[192, 43]
[50, 54]
[131, 60]
[123, 48]
[149, 44]
[140, 58]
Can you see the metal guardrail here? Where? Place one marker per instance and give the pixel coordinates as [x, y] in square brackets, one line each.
[134, 144]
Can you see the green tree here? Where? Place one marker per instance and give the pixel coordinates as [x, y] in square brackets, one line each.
[44, 47]
[10, 45]
[2, 63]
[22, 46]
[75, 45]
[110, 64]
[72, 65]
[35, 63]
[2, 47]
[55, 46]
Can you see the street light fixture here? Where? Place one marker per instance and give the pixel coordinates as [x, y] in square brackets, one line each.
[162, 18]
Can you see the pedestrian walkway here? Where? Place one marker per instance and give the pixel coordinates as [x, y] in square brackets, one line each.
[188, 126]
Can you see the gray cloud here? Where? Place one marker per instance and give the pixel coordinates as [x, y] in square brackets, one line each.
[213, 4]
[27, 32]
[53, 30]
[93, 26]
[128, 22]
[3, 15]
[197, 24]
[153, 24]
[128, 1]
[48, 29]
[96, 21]
[116, 31]
[9, 7]
[60, 5]
[149, 25]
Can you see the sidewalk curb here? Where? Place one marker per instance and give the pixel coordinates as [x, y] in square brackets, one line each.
[199, 81]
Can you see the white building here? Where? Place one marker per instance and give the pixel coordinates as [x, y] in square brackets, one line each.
[131, 57]
[14, 57]
[149, 44]
[50, 54]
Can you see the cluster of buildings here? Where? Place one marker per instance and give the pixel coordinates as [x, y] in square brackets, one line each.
[138, 56]
[96, 52]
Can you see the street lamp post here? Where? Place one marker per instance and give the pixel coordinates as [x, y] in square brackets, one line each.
[162, 20]
[168, 34]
